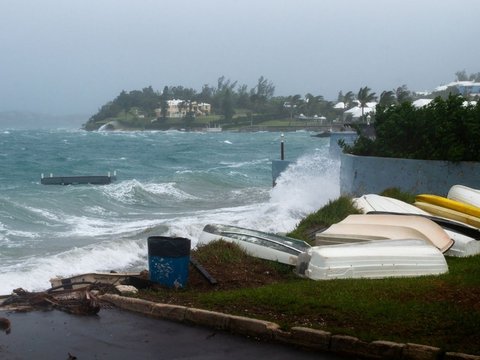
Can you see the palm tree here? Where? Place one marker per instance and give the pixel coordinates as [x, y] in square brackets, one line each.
[387, 98]
[312, 104]
[348, 99]
[365, 96]
[293, 102]
[403, 94]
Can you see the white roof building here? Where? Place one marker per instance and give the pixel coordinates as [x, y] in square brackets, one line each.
[421, 102]
[356, 111]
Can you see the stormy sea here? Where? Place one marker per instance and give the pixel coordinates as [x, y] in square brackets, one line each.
[168, 183]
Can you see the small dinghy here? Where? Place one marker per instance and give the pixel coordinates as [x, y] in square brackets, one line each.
[465, 194]
[427, 229]
[374, 202]
[465, 236]
[257, 243]
[456, 205]
[442, 211]
[372, 259]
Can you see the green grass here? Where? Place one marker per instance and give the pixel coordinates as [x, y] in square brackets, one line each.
[399, 194]
[442, 311]
[331, 213]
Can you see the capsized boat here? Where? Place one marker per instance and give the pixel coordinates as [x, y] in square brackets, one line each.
[448, 213]
[372, 259]
[427, 229]
[257, 243]
[465, 194]
[348, 233]
[465, 236]
[344, 233]
[445, 223]
[373, 202]
[449, 204]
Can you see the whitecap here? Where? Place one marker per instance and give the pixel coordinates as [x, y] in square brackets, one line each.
[33, 274]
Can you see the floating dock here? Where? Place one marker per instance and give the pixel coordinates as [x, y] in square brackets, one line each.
[77, 180]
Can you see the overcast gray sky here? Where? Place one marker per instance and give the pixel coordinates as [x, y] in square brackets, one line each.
[65, 57]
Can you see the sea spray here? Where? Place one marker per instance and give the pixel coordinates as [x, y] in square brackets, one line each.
[304, 187]
[34, 273]
[168, 183]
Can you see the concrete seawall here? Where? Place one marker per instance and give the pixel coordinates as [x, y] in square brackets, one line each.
[348, 137]
[367, 174]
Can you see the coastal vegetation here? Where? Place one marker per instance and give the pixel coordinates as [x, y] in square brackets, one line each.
[235, 106]
[445, 129]
[232, 105]
[441, 311]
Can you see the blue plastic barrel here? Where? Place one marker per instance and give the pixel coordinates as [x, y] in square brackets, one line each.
[168, 260]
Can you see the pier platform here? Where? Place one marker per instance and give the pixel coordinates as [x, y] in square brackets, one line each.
[76, 180]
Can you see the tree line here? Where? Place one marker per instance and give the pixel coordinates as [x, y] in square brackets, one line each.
[232, 101]
[446, 129]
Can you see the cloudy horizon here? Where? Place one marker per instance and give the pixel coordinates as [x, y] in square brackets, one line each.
[61, 57]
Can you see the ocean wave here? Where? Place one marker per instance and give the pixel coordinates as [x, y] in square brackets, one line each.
[240, 164]
[33, 274]
[82, 226]
[133, 192]
[179, 182]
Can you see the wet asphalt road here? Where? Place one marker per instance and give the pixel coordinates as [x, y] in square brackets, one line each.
[118, 334]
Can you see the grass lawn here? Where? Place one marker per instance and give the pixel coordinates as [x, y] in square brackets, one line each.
[442, 311]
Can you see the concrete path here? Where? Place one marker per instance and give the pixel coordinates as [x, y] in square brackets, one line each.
[118, 334]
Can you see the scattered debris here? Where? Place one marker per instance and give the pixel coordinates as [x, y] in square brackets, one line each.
[203, 271]
[126, 289]
[79, 302]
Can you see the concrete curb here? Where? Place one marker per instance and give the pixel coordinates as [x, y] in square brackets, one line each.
[297, 336]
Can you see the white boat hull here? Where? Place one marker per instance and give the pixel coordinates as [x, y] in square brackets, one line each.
[427, 229]
[463, 245]
[256, 246]
[375, 259]
[464, 194]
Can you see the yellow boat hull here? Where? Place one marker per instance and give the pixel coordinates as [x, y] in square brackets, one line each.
[448, 213]
[449, 204]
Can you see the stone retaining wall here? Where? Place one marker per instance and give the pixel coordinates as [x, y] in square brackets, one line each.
[361, 175]
[297, 336]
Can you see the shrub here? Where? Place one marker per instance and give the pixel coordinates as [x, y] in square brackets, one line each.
[443, 130]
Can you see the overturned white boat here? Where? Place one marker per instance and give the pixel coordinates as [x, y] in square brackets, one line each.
[372, 259]
[257, 243]
[465, 194]
[465, 237]
[420, 227]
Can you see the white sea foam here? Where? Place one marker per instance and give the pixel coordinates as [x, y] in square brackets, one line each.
[244, 163]
[233, 188]
[133, 191]
[303, 188]
[45, 214]
[33, 274]
[96, 227]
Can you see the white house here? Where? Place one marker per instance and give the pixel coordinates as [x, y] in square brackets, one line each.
[356, 111]
[178, 108]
